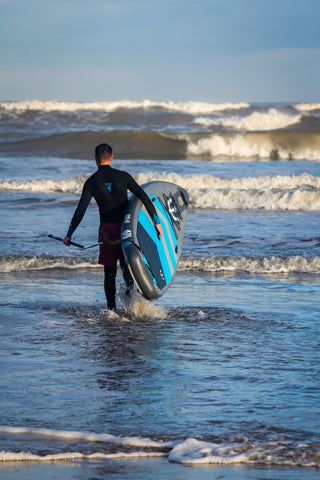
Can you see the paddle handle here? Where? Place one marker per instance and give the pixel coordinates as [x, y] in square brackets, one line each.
[61, 240]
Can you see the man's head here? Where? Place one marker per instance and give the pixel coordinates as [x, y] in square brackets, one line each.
[103, 154]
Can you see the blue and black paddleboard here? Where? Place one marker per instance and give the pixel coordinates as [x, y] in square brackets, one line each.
[153, 261]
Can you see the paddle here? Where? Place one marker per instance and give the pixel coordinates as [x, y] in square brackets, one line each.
[78, 245]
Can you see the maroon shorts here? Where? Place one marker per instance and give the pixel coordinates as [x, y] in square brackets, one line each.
[110, 252]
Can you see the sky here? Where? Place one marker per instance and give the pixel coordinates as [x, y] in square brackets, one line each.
[161, 50]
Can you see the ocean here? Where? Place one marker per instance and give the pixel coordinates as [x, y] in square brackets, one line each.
[217, 379]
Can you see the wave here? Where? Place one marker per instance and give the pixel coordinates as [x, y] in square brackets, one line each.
[192, 181]
[189, 107]
[87, 437]
[43, 262]
[280, 453]
[155, 145]
[64, 185]
[307, 107]
[285, 145]
[281, 192]
[190, 451]
[274, 265]
[273, 119]
[253, 265]
[183, 107]
[133, 144]
[6, 457]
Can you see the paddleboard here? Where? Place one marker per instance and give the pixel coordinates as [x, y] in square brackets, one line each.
[153, 261]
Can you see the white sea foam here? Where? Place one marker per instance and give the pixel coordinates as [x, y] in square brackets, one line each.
[87, 437]
[247, 146]
[193, 181]
[256, 199]
[138, 308]
[196, 452]
[9, 457]
[270, 266]
[307, 107]
[273, 119]
[189, 451]
[184, 107]
[202, 107]
[17, 263]
[281, 192]
[64, 185]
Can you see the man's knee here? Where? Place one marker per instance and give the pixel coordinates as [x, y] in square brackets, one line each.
[110, 271]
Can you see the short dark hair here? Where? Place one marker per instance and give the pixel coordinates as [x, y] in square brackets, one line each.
[103, 151]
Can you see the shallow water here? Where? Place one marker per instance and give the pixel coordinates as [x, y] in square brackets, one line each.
[222, 370]
[214, 366]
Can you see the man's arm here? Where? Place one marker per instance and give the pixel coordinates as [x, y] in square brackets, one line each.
[79, 212]
[141, 194]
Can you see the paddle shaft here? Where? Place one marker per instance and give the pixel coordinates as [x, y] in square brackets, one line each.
[71, 243]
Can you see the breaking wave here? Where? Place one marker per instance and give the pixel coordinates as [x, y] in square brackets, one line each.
[157, 145]
[192, 107]
[281, 192]
[190, 451]
[274, 265]
[132, 144]
[65, 185]
[161, 130]
[19, 263]
[184, 107]
[273, 119]
[253, 265]
[285, 145]
[307, 107]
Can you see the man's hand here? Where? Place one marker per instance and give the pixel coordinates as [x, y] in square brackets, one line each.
[159, 230]
[67, 241]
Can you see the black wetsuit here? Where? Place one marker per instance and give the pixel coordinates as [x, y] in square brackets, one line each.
[109, 187]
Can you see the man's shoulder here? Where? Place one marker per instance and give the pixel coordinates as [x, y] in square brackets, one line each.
[91, 178]
[118, 170]
[91, 182]
[110, 173]
[120, 173]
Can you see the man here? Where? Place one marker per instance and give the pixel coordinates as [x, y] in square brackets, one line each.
[109, 187]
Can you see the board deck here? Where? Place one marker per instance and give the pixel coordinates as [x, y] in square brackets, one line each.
[153, 261]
